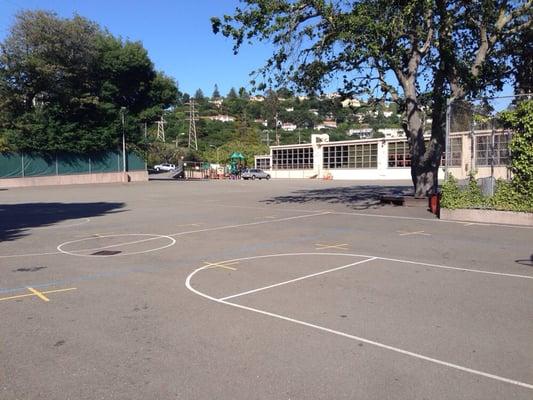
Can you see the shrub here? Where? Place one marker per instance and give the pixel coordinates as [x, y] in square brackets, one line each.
[506, 196]
[520, 121]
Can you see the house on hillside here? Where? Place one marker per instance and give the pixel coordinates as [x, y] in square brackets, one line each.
[326, 124]
[222, 118]
[350, 103]
[288, 127]
[363, 133]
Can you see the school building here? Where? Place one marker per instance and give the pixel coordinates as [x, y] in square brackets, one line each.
[485, 152]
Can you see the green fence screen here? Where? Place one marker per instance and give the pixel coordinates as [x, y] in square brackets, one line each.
[18, 165]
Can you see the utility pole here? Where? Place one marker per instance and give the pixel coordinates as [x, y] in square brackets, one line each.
[193, 117]
[122, 112]
[277, 126]
[265, 137]
[161, 129]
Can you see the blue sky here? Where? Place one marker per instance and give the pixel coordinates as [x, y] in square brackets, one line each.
[176, 33]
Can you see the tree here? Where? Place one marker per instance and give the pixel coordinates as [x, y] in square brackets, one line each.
[63, 83]
[416, 53]
[243, 93]
[232, 94]
[216, 93]
[199, 96]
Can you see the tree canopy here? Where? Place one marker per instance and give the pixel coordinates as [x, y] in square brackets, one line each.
[64, 81]
[417, 53]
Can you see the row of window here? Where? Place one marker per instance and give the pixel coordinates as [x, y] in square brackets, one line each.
[399, 155]
[351, 156]
[365, 155]
[297, 158]
[262, 162]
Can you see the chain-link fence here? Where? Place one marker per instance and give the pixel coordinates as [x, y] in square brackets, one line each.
[477, 142]
[20, 165]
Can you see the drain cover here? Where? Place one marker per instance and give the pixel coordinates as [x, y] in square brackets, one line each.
[105, 253]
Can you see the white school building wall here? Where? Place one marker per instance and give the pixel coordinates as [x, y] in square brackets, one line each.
[382, 163]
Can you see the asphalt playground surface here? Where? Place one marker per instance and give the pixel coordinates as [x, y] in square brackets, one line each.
[280, 289]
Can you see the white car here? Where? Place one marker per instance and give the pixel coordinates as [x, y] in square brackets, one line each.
[254, 173]
[164, 167]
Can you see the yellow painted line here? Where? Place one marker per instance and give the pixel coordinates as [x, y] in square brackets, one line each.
[38, 294]
[34, 294]
[17, 297]
[221, 265]
[341, 246]
[60, 290]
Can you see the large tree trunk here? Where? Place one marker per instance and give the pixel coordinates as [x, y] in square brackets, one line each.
[424, 159]
[424, 173]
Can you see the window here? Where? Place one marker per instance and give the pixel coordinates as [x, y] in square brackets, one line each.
[399, 155]
[351, 156]
[486, 152]
[293, 158]
[456, 152]
[262, 163]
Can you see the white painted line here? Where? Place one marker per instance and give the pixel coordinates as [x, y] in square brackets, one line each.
[75, 253]
[248, 224]
[297, 279]
[425, 219]
[479, 271]
[174, 234]
[269, 208]
[347, 335]
[30, 254]
[198, 224]
[154, 237]
[421, 233]
[383, 346]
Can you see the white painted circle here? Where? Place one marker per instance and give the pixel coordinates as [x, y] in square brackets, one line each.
[171, 240]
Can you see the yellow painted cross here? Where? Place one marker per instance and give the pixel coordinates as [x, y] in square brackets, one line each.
[225, 265]
[340, 246]
[35, 292]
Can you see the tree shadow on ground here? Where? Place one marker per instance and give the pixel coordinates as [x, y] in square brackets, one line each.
[354, 197]
[17, 219]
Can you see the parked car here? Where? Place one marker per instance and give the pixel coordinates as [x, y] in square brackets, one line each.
[254, 173]
[164, 167]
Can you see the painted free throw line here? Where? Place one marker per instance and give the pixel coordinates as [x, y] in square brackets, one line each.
[339, 333]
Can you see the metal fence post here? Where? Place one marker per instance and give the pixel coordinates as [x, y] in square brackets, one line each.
[447, 136]
[492, 148]
[22, 166]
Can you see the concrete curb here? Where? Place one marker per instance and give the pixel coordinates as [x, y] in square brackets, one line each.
[487, 216]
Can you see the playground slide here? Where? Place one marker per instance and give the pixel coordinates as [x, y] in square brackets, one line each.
[178, 172]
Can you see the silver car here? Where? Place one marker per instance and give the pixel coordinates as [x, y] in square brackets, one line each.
[254, 173]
